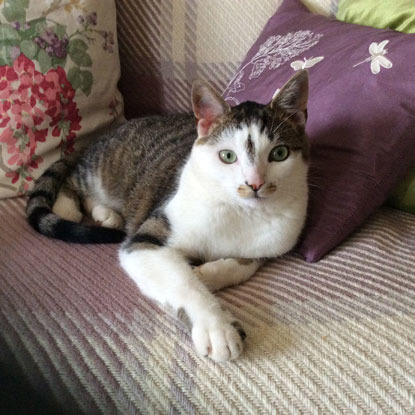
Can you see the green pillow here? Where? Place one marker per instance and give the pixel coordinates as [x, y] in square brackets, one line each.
[403, 196]
[383, 14]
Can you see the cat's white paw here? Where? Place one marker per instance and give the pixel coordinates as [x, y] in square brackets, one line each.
[219, 340]
[67, 208]
[108, 218]
[66, 213]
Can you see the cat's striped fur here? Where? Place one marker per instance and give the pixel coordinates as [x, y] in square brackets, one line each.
[136, 164]
[161, 185]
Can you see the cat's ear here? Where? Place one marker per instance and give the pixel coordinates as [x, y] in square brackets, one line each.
[208, 106]
[292, 98]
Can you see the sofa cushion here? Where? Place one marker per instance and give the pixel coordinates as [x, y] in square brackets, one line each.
[361, 112]
[331, 337]
[59, 69]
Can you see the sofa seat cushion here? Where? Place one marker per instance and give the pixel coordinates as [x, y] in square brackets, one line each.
[322, 338]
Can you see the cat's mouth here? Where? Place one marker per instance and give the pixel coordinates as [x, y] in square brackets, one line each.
[246, 192]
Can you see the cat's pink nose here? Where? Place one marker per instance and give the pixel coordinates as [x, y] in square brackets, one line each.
[255, 185]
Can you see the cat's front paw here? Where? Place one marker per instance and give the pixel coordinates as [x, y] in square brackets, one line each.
[219, 340]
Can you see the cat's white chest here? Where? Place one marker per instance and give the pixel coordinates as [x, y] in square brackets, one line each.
[212, 231]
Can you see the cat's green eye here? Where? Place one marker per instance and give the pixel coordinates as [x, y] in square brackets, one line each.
[279, 153]
[227, 156]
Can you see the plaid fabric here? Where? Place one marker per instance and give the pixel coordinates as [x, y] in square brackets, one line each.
[166, 44]
[336, 337]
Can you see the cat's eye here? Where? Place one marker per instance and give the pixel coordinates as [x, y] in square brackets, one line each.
[227, 156]
[279, 153]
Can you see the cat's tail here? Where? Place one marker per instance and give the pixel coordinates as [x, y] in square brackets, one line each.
[43, 220]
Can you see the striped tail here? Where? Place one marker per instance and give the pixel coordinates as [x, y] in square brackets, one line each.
[43, 220]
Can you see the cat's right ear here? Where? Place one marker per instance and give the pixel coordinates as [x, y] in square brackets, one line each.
[292, 98]
[208, 106]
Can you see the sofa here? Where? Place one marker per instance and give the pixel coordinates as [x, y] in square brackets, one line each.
[77, 336]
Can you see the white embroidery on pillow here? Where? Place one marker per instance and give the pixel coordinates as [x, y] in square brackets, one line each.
[233, 100]
[377, 58]
[273, 53]
[307, 63]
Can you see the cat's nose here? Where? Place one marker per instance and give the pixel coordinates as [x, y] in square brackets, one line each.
[255, 186]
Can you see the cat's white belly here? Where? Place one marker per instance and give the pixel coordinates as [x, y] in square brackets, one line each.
[224, 233]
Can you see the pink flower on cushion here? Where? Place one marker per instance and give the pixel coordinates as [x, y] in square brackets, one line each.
[33, 107]
[21, 157]
[13, 175]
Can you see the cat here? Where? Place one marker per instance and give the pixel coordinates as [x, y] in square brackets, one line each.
[223, 187]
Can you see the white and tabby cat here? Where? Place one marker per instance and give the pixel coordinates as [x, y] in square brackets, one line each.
[227, 192]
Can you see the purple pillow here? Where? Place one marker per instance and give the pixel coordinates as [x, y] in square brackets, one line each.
[361, 112]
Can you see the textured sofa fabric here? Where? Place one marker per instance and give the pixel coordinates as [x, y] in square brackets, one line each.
[332, 337]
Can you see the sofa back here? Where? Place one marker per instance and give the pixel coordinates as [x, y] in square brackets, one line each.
[166, 44]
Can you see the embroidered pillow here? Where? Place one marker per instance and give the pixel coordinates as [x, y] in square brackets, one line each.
[361, 113]
[59, 69]
[396, 15]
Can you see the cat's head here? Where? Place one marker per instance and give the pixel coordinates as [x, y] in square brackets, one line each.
[253, 153]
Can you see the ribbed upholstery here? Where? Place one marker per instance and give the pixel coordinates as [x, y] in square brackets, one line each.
[333, 337]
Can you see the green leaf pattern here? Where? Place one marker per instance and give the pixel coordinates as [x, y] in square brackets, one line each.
[45, 61]
[15, 10]
[9, 38]
[49, 44]
[77, 52]
[29, 48]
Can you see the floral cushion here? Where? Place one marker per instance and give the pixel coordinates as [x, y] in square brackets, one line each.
[59, 69]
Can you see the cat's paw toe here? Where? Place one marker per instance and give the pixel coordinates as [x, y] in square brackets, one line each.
[113, 221]
[239, 329]
[221, 341]
[107, 218]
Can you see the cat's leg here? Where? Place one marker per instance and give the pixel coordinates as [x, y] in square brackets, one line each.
[226, 272]
[163, 274]
[105, 216]
[67, 205]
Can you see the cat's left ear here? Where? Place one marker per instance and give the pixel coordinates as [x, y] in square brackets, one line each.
[208, 106]
[292, 98]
